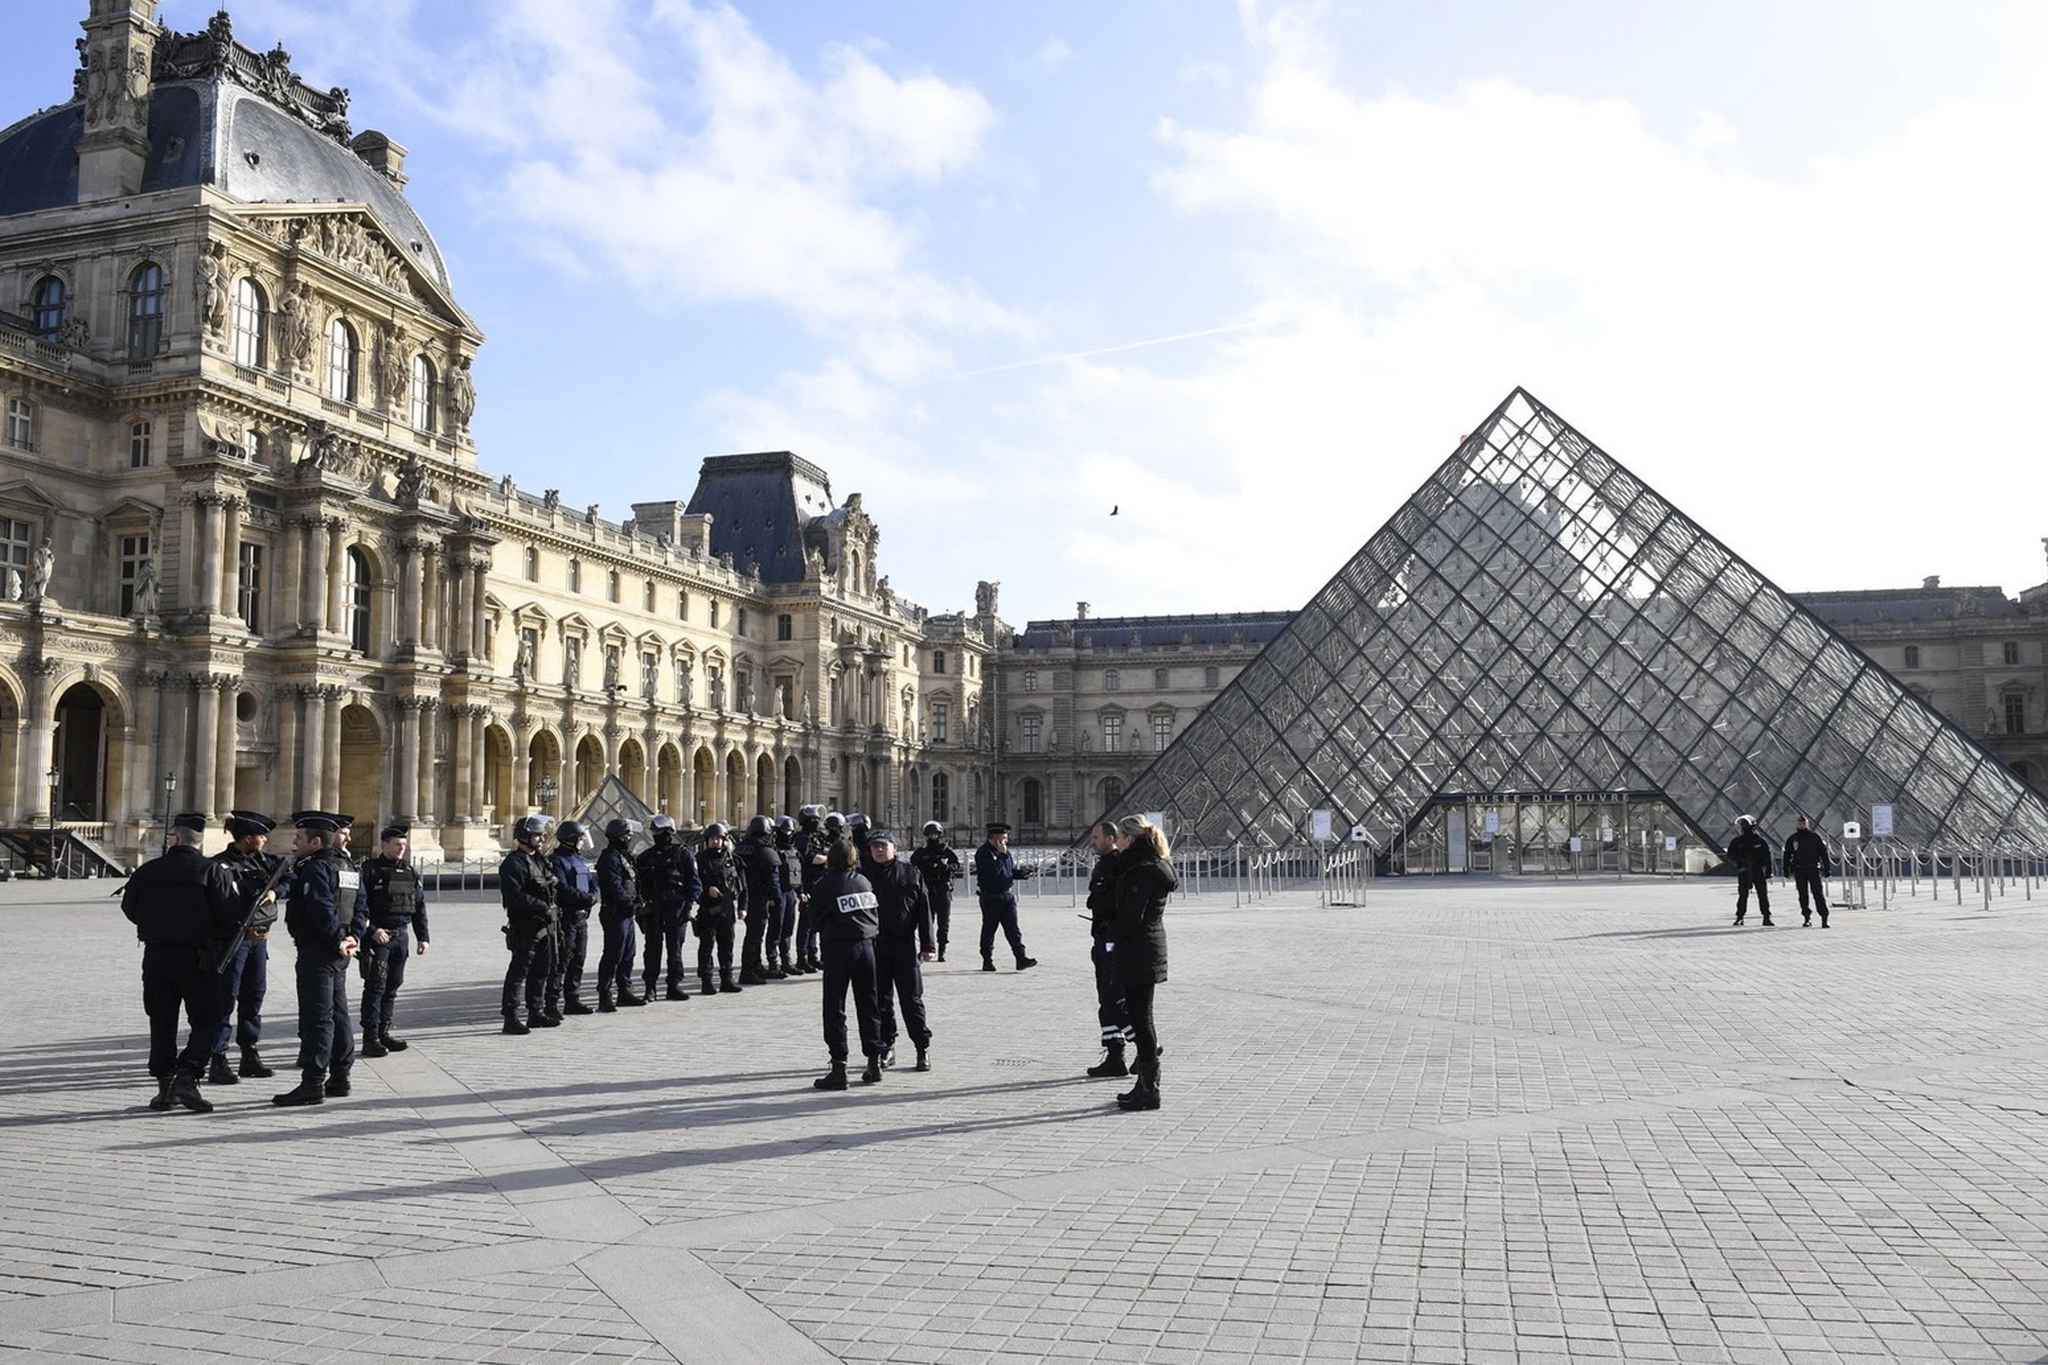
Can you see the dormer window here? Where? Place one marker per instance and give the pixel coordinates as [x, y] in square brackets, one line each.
[426, 395]
[252, 325]
[145, 312]
[341, 362]
[46, 307]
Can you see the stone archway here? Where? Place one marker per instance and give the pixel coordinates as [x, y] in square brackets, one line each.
[703, 787]
[735, 788]
[87, 761]
[364, 765]
[543, 762]
[764, 786]
[497, 774]
[633, 767]
[668, 780]
[792, 785]
[589, 769]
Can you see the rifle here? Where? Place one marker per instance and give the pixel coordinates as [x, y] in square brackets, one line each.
[284, 866]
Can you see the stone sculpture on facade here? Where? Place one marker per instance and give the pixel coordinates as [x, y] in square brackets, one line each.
[212, 287]
[147, 590]
[393, 372]
[462, 394]
[42, 567]
[294, 328]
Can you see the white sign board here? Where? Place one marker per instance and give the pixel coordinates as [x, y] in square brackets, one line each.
[1319, 826]
[1851, 830]
[1358, 834]
[1671, 843]
[1880, 822]
[1606, 832]
[1578, 844]
[1492, 823]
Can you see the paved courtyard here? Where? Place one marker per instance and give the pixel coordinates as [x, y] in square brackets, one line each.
[1471, 1122]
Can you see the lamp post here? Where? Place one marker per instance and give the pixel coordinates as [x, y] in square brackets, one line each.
[56, 777]
[170, 795]
[547, 791]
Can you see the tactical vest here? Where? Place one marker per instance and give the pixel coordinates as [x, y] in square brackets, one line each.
[399, 885]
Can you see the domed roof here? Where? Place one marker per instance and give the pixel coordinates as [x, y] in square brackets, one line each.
[221, 115]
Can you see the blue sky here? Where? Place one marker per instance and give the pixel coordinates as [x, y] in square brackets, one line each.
[1784, 260]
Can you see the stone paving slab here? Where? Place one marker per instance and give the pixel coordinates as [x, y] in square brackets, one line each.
[1513, 1121]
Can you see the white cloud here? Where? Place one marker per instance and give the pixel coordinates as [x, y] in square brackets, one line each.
[1052, 54]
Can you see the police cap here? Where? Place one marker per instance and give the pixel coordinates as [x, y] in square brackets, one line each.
[396, 832]
[998, 827]
[244, 822]
[192, 820]
[314, 822]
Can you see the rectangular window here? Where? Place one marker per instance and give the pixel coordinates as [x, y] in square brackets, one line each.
[529, 645]
[938, 661]
[21, 424]
[249, 594]
[17, 540]
[647, 597]
[739, 620]
[572, 662]
[1162, 731]
[714, 614]
[1030, 680]
[134, 549]
[785, 627]
[939, 723]
[682, 604]
[1112, 733]
[1211, 679]
[139, 435]
[1160, 678]
[1912, 656]
[1028, 728]
[2012, 651]
[682, 687]
[575, 576]
[532, 565]
[2015, 714]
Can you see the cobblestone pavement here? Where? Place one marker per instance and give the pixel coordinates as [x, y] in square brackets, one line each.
[1474, 1121]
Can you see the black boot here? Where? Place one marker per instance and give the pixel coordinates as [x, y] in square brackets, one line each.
[751, 975]
[337, 1086]
[392, 1044]
[726, 984]
[185, 1091]
[835, 1079]
[515, 1026]
[1146, 1093]
[705, 987]
[218, 1072]
[676, 992]
[1112, 1063]
[546, 1017]
[604, 1003]
[161, 1101]
[924, 1059]
[888, 1058]
[576, 1006]
[873, 1073]
[252, 1067]
[309, 1090]
[373, 1044]
[1025, 964]
[988, 962]
[772, 970]
[942, 952]
[628, 1000]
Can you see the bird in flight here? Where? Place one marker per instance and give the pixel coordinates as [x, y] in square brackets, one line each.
[1113, 511]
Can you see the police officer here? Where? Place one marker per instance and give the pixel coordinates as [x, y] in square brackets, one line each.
[1806, 858]
[618, 903]
[390, 917]
[183, 908]
[939, 865]
[575, 894]
[847, 923]
[903, 935]
[526, 887]
[317, 911]
[781, 964]
[247, 978]
[760, 866]
[813, 837]
[857, 835]
[1750, 855]
[1110, 1013]
[668, 888]
[995, 877]
[721, 902]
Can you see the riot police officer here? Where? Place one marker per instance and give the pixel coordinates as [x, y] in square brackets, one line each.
[390, 917]
[183, 908]
[619, 903]
[857, 834]
[760, 867]
[996, 874]
[1806, 858]
[721, 902]
[1750, 855]
[526, 887]
[1110, 1014]
[317, 913]
[939, 865]
[903, 935]
[247, 979]
[812, 839]
[781, 964]
[847, 924]
[668, 888]
[575, 894]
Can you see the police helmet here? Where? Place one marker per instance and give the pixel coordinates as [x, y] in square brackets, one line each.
[619, 829]
[783, 824]
[809, 814]
[834, 822]
[714, 830]
[530, 827]
[569, 834]
[758, 827]
[857, 820]
[934, 830]
[664, 828]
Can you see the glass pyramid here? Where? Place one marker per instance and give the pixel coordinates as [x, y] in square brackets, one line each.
[613, 800]
[1536, 621]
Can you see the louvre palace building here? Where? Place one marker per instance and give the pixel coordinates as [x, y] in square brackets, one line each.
[249, 556]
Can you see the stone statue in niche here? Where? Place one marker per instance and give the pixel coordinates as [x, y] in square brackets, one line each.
[294, 328]
[611, 670]
[147, 590]
[41, 568]
[10, 587]
[412, 480]
[648, 678]
[522, 663]
[462, 394]
[212, 287]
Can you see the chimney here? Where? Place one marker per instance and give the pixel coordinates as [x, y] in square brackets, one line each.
[1931, 581]
[1080, 611]
[382, 154]
[115, 54]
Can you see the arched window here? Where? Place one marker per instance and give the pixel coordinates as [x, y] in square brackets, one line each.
[426, 394]
[611, 586]
[1034, 812]
[532, 565]
[941, 799]
[1912, 656]
[341, 362]
[358, 600]
[145, 312]
[575, 575]
[1112, 793]
[252, 324]
[46, 306]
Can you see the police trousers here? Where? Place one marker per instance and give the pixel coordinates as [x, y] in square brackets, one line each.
[806, 928]
[942, 915]
[565, 970]
[714, 929]
[383, 973]
[785, 924]
[527, 973]
[1744, 881]
[242, 988]
[850, 965]
[897, 977]
[665, 929]
[1000, 910]
[615, 961]
[1110, 1010]
[327, 1040]
[179, 979]
[1809, 882]
[763, 916]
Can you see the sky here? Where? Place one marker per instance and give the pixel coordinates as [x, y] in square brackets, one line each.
[1245, 273]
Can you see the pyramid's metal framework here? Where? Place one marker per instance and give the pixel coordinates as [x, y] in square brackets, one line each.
[1536, 619]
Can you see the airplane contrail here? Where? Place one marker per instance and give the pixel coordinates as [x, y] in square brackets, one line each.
[1227, 329]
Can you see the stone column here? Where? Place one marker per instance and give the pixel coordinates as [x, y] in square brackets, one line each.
[405, 759]
[224, 757]
[289, 576]
[565, 781]
[458, 609]
[477, 568]
[330, 757]
[337, 577]
[42, 730]
[208, 511]
[172, 738]
[205, 744]
[478, 768]
[313, 587]
[283, 785]
[231, 558]
[139, 762]
[312, 752]
[426, 808]
[410, 594]
[463, 772]
[430, 589]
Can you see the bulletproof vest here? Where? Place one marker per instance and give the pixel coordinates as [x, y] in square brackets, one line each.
[658, 872]
[627, 873]
[394, 894]
[717, 869]
[167, 899]
[930, 862]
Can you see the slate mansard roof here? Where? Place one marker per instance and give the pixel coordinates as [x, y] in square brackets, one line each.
[1152, 632]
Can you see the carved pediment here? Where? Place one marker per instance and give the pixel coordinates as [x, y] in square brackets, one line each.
[352, 239]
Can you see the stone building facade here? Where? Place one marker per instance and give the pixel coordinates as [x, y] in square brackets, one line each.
[249, 556]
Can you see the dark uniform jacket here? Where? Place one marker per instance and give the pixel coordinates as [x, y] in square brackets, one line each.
[575, 883]
[618, 884]
[1806, 851]
[526, 885]
[322, 900]
[1750, 853]
[1102, 897]
[939, 865]
[761, 865]
[903, 909]
[183, 899]
[668, 876]
[792, 863]
[1138, 926]
[996, 873]
[847, 908]
[250, 873]
[717, 871]
[811, 844]
[392, 896]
